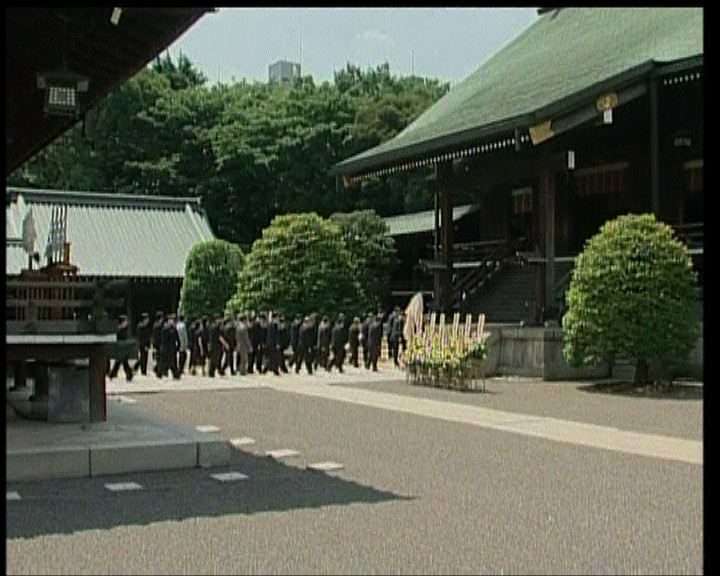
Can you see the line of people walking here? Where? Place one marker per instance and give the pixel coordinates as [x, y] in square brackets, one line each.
[258, 343]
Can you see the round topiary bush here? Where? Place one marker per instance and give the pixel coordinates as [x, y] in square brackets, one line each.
[632, 295]
[299, 266]
[211, 273]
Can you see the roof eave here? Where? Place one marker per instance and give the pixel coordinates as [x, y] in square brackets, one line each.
[524, 121]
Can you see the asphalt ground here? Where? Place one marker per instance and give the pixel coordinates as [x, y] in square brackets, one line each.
[416, 495]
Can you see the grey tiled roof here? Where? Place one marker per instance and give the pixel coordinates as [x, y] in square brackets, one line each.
[110, 234]
[422, 221]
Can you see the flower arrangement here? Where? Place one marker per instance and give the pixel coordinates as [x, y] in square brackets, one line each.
[440, 359]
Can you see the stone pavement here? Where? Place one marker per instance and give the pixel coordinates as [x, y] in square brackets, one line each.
[127, 442]
[329, 386]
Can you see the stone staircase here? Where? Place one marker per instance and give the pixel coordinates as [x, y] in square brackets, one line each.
[507, 297]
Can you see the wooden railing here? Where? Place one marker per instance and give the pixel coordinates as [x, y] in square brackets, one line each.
[59, 305]
[489, 257]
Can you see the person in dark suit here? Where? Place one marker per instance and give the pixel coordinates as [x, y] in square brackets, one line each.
[307, 343]
[295, 339]
[262, 338]
[122, 334]
[375, 334]
[215, 347]
[169, 347]
[299, 355]
[338, 340]
[254, 331]
[194, 336]
[144, 333]
[354, 340]
[272, 344]
[156, 336]
[364, 328]
[204, 343]
[323, 343]
[389, 333]
[397, 336]
[283, 342]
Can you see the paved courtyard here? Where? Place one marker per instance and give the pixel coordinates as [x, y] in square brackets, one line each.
[530, 477]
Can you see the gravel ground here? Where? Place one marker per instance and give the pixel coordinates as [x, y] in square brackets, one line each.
[416, 495]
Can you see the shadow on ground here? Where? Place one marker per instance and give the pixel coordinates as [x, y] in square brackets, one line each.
[67, 506]
[677, 391]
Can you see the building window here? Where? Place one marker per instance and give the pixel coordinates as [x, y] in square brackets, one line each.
[604, 179]
[522, 200]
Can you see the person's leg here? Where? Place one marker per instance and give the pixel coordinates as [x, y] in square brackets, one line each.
[115, 369]
[143, 360]
[340, 359]
[127, 369]
[211, 364]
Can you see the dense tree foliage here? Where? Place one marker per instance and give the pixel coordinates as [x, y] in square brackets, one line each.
[631, 296]
[251, 151]
[300, 265]
[372, 253]
[211, 274]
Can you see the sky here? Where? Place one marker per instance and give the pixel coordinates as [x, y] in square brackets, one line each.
[443, 43]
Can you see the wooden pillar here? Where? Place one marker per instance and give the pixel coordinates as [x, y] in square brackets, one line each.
[547, 194]
[437, 287]
[654, 149]
[444, 179]
[98, 363]
[545, 241]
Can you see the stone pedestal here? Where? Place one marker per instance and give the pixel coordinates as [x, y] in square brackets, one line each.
[69, 393]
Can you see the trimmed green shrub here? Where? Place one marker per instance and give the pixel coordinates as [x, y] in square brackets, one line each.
[211, 273]
[372, 252]
[631, 296]
[300, 265]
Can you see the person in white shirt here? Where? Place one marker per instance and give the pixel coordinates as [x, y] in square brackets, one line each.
[183, 337]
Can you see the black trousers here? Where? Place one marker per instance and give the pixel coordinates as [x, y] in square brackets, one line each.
[228, 360]
[338, 359]
[281, 361]
[366, 355]
[373, 357]
[323, 357]
[309, 357]
[126, 367]
[259, 353]
[271, 360]
[170, 363]
[298, 356]
[158, 369]
[142, 361]
[354, 355]
[214, 363]
[182, 358]
[251, 359]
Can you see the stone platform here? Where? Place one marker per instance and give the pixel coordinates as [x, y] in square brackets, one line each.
[127, 442]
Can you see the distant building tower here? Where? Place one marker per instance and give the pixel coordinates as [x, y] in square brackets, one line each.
[284, 72]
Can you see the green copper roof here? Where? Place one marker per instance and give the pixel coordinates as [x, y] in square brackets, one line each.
[566, 57]
[422, 221]
[110, 234]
